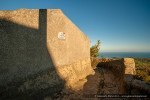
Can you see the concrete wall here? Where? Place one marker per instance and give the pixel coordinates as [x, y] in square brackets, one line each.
[23, 44]
[74, 50]
[30, 46]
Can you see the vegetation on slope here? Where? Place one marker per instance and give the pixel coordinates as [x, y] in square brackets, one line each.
[143, 69]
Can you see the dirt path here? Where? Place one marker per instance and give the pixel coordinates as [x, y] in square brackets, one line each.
[90, 88]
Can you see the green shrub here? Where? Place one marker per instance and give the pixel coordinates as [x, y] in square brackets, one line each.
[94, 50]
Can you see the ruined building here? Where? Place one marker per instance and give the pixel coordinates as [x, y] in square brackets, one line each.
[41, 49]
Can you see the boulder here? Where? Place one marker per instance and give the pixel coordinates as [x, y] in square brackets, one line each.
[129, 66]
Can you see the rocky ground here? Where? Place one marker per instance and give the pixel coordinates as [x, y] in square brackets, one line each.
[102, 83]
[90, 88]
[108, 79]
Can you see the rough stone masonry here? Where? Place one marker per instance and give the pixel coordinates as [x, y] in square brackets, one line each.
[41, 49]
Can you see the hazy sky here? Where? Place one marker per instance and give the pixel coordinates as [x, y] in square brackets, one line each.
[121, 25]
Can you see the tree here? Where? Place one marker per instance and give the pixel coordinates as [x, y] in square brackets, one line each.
[94, 50]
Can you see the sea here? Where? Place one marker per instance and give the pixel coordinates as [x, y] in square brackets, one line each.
[124, 54]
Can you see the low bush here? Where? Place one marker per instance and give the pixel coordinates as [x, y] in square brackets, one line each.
[143, 69]
[94, 50]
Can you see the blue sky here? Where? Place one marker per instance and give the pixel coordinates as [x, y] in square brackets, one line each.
[120, 25]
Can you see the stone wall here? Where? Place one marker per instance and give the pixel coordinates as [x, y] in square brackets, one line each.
[23, 46]
[32, 53]
[112, 76]
[117, 77]
[129, 66]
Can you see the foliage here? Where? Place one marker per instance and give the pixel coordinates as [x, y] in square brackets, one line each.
[143, 69]
[94, 50]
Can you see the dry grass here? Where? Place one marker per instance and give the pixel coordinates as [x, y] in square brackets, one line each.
[143, 69]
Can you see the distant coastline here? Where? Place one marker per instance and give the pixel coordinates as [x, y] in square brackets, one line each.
[124, 54]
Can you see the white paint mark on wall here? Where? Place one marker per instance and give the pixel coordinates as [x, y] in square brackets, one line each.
[61, 35]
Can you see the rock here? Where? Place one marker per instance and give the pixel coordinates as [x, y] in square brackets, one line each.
[94, 62]
[129, 66]
[137, 87]
[113, 77]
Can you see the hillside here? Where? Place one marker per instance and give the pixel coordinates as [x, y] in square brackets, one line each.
[143, 69]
